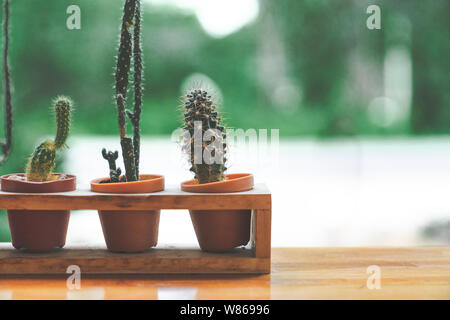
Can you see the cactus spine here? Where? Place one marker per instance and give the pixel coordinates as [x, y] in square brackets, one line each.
[130, 45]
[7, 144]
[42, 162]
[201, 120]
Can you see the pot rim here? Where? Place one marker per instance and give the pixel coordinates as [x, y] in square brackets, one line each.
[150, 183]
[239, 182]
[54, 186]
[6, 177]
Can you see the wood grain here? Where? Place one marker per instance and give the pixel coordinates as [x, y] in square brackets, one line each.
[262, 224]
[341, 273]
[156, 260]
[171, 198]
[306, 273]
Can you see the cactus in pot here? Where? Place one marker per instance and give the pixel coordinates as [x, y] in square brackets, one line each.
[36, 230]
[42, 230]
[207, 158]
[42, 162]
[204, 142]
[129, 230]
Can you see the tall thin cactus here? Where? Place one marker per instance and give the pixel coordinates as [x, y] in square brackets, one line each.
[130, 45]
[7, 144]
[136, 116]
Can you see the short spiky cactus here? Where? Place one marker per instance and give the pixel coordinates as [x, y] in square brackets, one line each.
[42, 161]
[111, 157]
[205, 139]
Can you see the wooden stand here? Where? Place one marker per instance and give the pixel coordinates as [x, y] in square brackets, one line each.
[255, 259]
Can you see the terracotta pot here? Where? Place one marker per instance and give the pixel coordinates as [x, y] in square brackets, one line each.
[130, 230]
[221, 230]
[38, 230]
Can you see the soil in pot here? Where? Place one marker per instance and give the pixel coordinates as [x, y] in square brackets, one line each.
[38, 230]
[130, 230]
[221, 230]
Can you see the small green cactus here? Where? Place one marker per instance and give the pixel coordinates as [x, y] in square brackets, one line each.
[207, 156]
[111, 157]
[63, 109]
[42, 162]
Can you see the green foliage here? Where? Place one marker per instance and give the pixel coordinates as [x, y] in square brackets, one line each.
[42, 162]
[200, 109]
[319, 38]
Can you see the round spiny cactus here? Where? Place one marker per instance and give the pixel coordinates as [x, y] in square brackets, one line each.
[42, 162]
[204, 142]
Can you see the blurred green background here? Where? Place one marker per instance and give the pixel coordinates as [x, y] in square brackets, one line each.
[308, 68]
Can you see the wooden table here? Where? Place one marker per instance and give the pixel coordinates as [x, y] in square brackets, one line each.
[306, 273]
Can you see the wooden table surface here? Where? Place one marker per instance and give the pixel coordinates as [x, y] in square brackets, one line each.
[297, 273]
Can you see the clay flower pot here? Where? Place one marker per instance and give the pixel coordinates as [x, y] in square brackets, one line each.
[38, 230]
[125, 230]
[221, 230]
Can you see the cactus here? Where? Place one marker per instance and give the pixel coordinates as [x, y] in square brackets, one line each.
[130, 45]
[42, 162]
[6, 145]
[200, 121]
[111, 157]
[63, 110]
[135, 117]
